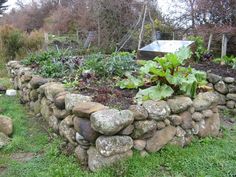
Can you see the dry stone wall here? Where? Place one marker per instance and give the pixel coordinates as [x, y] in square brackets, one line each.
[225, 87]
[101, 135]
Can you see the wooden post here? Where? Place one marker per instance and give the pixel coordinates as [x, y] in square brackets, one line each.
[209, 43]
[141, 31]
[224, 45]
[46, 40]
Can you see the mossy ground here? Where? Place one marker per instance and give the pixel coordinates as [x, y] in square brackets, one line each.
[207, 157]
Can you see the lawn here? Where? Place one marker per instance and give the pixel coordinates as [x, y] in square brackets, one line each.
[207, 157]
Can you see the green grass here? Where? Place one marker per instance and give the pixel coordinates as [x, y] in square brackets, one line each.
[3, 71]
[208, 157]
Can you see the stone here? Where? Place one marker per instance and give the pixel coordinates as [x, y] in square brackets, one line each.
[140, 113]
[207, 113]
[195, 129]
[197, 116]
[4, 140]
[222, 99]
[160, 139]
[85, 109]
[111, 121]
[81, 141]
[205, 100]
[72, 100]
[112, 145]
[66, 130]
[215, 109]
[83, 127]
[175, 119]
[53, 123]
[33, 95]
[144, 153]
[127, 131]
[26, 77]
[191, 110]
[37, 81]
[37, 107]
[160, 125]
[11, 92]
[179, 104]
[180, 132]
[140, 144]
[86, 144]
[157, 110]
[186, 120]
[45, 108]
[81, 155]
[230, 104]
[231, 96]
[143, 127]
[3, 89]
[60, 114]
[59, 100]
[6, 125]
[167, 122]
[210, 126]
[96, 161]
[51, 89]
[229, 80]
[213, 78]
[222, 108]
[232, 88]
[221, 87]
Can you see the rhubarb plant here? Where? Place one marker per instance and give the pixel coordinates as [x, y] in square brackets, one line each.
[165, 76]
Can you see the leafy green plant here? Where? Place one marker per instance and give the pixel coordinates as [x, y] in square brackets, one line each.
[53, 63]
[165, 76]
[114, 65]
[200, 47]
[229, 60]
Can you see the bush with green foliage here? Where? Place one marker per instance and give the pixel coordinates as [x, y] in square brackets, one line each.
[115, 64]
[200, 47]
[16, 43]
[165, 76]
[229, 60]
[11, 40]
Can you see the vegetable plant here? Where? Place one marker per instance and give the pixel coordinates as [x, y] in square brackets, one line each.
[53, 63]
[106, 66]
[229, 60]
[200, 47]
[162, 77]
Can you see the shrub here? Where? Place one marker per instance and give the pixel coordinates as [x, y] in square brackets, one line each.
[12, 41]
[165, 76]
[15, 43]
[200, 47]
[34, 41]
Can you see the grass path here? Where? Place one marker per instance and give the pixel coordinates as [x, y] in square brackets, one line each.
[32, 153]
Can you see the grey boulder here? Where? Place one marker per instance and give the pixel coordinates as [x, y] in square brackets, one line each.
[111, 121]
[111, 145]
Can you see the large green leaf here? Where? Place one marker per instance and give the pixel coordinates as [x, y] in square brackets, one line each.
[157, 92]
[131, 82]
[184, 53]
[149, 65]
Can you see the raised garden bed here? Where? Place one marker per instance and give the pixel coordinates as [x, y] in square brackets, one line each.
[101, 135]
